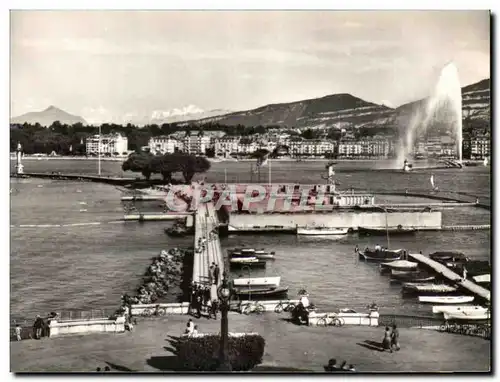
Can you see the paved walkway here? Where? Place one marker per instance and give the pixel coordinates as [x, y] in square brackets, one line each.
[287, 345]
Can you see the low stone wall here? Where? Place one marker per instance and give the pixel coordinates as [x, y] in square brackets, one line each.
[88, 326]
[147, 310]
[364, 319]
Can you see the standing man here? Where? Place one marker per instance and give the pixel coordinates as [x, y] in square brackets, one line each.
[38, 325]
[211, 273]
[216, 274]
[395, 338]
[464, 274]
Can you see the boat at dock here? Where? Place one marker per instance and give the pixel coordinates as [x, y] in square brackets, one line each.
[261, 293]
[251, 262]
[446, 299]
[428, 288]
[471, 309]
[415, 277]
[448, 256]
[384, 231]
[260, 254]
[448, 316]
[398, 265]
[258, 282]
[380, 254]
[486, 279]
[321, 231]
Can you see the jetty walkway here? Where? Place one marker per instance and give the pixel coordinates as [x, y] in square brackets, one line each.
[452, 276]
[210, 250]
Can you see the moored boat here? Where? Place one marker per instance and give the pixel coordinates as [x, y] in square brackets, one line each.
[384, 231]
[482, 279]
[258, 281]
[399, 265]
[380, 254]
[260, 254]
[263, 293]
[321, 231]
[462, 308]
[415, 277]
[446, 299]
[466, 315]
[428, 288]
[448, 256]
[248, 262]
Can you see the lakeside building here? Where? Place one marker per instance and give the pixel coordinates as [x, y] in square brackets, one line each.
[480, 147]
[164, 144]
[226, 146]
[110, 143]
[195, 144]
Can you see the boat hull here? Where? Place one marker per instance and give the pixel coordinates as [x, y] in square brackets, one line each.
[382, 256]
[251, 264]
[382, 232]
[471, 309]
[465, 316]
[322, 231]
[446, 299]
[258, 281]
[257, 294]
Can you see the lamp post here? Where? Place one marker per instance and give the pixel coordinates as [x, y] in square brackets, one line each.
[224, 292]
[99, 153]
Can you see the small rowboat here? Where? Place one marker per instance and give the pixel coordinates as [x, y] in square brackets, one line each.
[482, 279]
[383, 231]
[446, 299]
[322, 231]
[428, 288]
[398, 265]
[258, 281]
[255, 263]
[467, 315]
[245, 293]
[380, 255]
[471, 309]
[415, 277]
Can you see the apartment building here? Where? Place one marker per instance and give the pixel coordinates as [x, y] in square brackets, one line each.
[480, 147]
[164, 144]
[349, 148]
[195, 144]
[110, 143]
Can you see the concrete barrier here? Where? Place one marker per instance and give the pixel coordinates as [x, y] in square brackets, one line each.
[110, 325]
[324, 319]
[147, 310]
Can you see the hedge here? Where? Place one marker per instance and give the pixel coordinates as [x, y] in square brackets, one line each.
[202, 353]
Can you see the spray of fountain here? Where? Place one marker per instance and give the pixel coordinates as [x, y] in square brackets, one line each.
[443, 108]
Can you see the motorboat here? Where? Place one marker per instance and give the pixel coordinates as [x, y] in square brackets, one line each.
[464, 315]
[261, 293]
[380, 254]
[258, 282]
[446, 299]
[482, 279]
[396, 272]
[448, 256]
[384, 231]
[243, 259]
[428, 288]
[399, 265]
[321, 231]
[471, 309]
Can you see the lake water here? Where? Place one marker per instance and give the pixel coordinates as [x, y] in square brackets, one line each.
[90, 266]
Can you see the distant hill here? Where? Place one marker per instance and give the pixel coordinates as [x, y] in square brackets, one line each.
[48, 116]
[329, 111]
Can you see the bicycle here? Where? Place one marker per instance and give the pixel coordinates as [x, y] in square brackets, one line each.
[281, 307]
[331, 321]
[254, 307]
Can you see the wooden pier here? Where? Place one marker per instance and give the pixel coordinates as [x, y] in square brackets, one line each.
[443, 271]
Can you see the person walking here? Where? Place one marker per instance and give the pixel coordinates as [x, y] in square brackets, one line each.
[386, 342]
[18, 332]
[37, 326]
[395, 337]
[464, 275]
[216, 274]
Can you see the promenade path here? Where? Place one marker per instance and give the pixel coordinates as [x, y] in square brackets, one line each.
[452, 276]
[287, 345]
[206, 222]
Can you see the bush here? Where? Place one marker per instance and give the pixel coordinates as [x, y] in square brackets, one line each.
[202, 353]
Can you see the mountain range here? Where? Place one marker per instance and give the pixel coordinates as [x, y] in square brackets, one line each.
[337, 110]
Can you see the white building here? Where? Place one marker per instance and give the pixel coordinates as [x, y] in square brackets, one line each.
[111, 143]
[163, 144]
[349, 148]
[226, 145]
[195, 144]
[480, 147]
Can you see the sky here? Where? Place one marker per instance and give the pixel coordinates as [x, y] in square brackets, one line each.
[124, 65]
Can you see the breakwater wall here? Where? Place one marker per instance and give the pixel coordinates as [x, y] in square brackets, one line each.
[337, 219]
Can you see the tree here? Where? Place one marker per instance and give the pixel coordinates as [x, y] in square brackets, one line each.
[210, 152]
[165, 165]
[189, 164]
[139, 162]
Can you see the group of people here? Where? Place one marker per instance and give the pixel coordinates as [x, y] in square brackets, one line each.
[333, 366]
[391, 339]
[191, 329]
[201, 296]
[164, 271]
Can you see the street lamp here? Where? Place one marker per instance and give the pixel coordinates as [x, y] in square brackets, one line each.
[224, 292]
